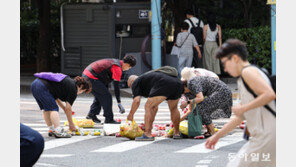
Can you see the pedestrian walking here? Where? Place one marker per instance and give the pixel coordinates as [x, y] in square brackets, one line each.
[261, 123]
[186, 41]
[101, 73]
[211, 31]
[50, 89]
[31, 146]
[196, 28]
[157, 86]
[218, 95]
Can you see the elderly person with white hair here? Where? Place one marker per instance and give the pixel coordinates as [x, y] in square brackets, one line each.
[191, 72]
[217, 104]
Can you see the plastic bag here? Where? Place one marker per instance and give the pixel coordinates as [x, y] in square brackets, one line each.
[130, 130]
[82, 132]
[183, 128]
[82, 123]
[111, 129]
[175, 51]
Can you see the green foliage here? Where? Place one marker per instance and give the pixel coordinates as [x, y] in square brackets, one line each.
[29, 26]
[258, 42]
[29, 31]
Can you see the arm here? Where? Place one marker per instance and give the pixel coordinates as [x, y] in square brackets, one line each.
[135, 106]
[117, 95]
[199, 98]
[187, 113]
[178, 41]
[117, 91]
[183, 102]
[255, 81]
[68, 112]
[195, 44]
[116, 76]
[205, 32]
[234, 122]
[198, 50]
[220, 35]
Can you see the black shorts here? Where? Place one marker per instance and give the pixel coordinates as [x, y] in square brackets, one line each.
[170, 87]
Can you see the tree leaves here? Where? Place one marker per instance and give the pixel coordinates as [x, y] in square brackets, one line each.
[258, 42]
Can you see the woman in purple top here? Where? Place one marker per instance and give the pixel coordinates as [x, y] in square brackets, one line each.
[49, 89]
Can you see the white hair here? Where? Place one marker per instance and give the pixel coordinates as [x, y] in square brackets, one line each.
[187, 73]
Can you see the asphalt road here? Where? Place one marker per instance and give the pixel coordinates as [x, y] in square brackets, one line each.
[80, 151]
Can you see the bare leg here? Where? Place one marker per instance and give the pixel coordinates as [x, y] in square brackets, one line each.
[155, 109]
[211, 129]
[46, 117]
[175, 115]
[151, 108]
[55, 118]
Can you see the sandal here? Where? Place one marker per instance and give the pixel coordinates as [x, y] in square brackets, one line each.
[207, 135]
[144, 138]
[177, 137]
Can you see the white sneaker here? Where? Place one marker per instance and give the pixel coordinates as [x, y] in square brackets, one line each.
[61, 134]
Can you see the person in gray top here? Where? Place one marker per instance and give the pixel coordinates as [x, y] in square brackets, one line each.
[186, 41]
[218, 96]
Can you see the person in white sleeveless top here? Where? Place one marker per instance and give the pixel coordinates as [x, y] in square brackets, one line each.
[261, 122]
[210, 32]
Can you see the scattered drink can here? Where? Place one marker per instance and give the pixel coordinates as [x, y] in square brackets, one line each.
[242, 126]
[199, 137]
[118, 120]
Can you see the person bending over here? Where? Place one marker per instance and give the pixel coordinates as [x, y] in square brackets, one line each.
[157, 86]
[101, 73]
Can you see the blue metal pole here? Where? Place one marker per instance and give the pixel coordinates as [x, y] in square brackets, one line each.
[273, 38]
[155, 32]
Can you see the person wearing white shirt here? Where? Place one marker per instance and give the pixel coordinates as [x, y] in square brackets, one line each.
[190, 19]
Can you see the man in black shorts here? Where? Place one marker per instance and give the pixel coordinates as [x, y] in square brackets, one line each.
[157, 86]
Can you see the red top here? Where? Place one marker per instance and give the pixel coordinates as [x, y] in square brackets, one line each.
[116, 72]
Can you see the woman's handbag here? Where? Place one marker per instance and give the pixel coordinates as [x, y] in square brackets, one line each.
[176, 49]
[194, 122]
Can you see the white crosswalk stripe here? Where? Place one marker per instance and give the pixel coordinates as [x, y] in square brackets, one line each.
[125, 146]
[55, 155]
[65, 141]
[44, 164]
[225, 141]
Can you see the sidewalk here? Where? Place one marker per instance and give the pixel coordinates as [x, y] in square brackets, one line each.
[27, 79]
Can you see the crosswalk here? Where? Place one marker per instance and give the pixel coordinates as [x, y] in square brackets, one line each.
[52, 143]
[111, 144]
[128, 145]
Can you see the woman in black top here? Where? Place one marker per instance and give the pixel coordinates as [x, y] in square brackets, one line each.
[50, 93]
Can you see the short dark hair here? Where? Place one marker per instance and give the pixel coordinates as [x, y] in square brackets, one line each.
[232, 46]
[84, 82]
[189, 11]
[130, 59]
[184, 26]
